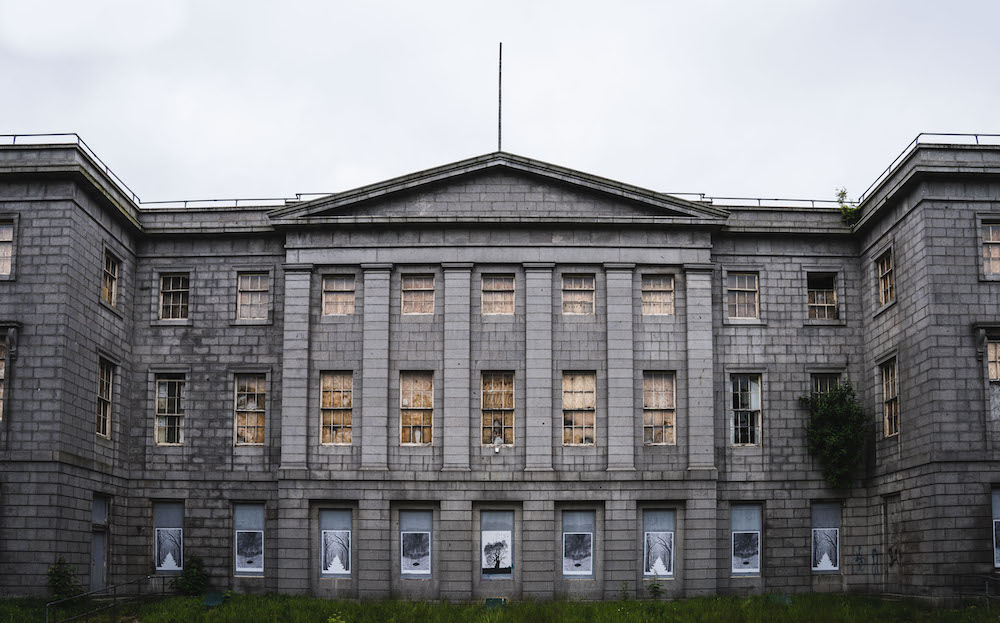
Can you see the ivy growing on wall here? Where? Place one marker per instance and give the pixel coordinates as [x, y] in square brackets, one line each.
[836, 434]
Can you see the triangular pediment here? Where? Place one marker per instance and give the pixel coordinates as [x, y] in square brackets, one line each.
[497, 186]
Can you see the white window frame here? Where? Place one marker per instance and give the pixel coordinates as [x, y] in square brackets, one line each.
[889, 375]
[105, 396]
[110, 278]
[184, 295]
[410, 289]
[829, 306]
[651, 290]
[491, 411]
[885, 277]
[571, 409]
[493, 298]
[260, 412]
[650, 410]
[733, 292]
[342, 287]
[245, 293]
[404, 408]
[346, 391]
[159, 414]
[757, 414]
[7, 229]
[574, 283]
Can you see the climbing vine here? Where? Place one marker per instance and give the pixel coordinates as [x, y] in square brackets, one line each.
[836, 434]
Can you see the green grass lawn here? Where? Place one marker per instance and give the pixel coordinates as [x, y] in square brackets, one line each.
[809, 608]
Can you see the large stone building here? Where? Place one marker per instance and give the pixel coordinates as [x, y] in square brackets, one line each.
[499, 377]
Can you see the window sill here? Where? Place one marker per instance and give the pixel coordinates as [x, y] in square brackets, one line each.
[10, 277]
[744, 322]
[168, 445]
[247, 322]
[171, 322]
[815, 322]
[748, 575]
[111, 308]
[881, 310]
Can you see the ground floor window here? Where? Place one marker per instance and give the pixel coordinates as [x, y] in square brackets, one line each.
[415, 528]
[335, 541]
[249, 539]
[168, 536]
[497, 544]
[658, 543]
[745, 528]
[826, 536]
[578, 543]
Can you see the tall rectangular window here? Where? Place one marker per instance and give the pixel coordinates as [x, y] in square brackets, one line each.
[658, 543]
[174, 289]
[3, 374]
[579, 398]
[250, 408]
[991, 248]
[822, 383]
[886, 281]
[168, 536]
[496, 544]
[657, 295]
[742, 300]
[890, 398]
[658, 408]
[996, 528]
[252, 296]
[336, 407]
[745, 394]
[498, 294]
[6, 247]
[109, 279]
[417, 294]
[335, 541]
[105, 388]
[249, 539]
[745, 528]
[415, 543]
[578, 295]
[498, 408]
[338, 295]
[821, 289]
[169, 409]
[826, 536]
[416, 408]
[578, 543]
[993, 358]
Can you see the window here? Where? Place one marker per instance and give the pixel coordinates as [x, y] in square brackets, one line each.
[658, 543]
[742, 296]
[109, 280]
[249, 538]
[498, 294]
[174, 290]
[822, 383]
[418, 294]
[251, 403]
[993, 359]
[497, 544]
[890, 398]
[168, 536]
[498, 408]
[578, 543]
[658, 408]
[991, 248]
[336, 407]
[335, 539]
[822, 293]
[886, 282]
[745, 528]
[169, 409]
[105, 385]
[578, 295]
[657, 295]
[6, 247]
[338, 295]
[252, 296]
[996, 528]
[579, 408]
[3, 374]
[826, 536]
[415, 529]
[416, 408]
[746, 409]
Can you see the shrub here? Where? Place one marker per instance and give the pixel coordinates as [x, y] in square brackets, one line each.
[851, 214]
[62, 580]
[193, 579]
[836, 433]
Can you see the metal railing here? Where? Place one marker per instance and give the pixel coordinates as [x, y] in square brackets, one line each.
[978, 585]
[102, 600]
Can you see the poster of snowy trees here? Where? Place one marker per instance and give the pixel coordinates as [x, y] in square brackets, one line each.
[826, 549]
[578, 553]
[169, 549]
[996, 543]
[746, 552]
[249, 551]
[496, 552]
[658, 554]
[336, 555]
[415, 553]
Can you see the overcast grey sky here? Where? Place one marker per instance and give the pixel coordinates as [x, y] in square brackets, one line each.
[208, 99]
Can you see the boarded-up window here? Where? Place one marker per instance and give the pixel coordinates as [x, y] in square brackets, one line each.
[336, 407]
[338, 295]
[498, 294]
[742, 298]
[174, 290]
[251, 408]
[416, 407]
[169, 409]
[993, 359]
[105, 386]
[991, 248]
[578, 294]
[252, 298]
[657, 295]
[579, 408]
[822, 295]
[658, 408]
[890, 398]
[6, 247]
[3, 375]
[498, 408]
[418, 294]
[886, 280]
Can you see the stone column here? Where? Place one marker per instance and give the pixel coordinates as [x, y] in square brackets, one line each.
[621, 376]
[375, 368]
[453, 547]
[295, 366]
[700, 367]
[373, 546]
[538, 366]
[457, 290]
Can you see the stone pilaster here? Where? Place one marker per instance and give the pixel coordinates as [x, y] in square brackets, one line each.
[295, 366]
[375, 368]
[700, 367]
[457, 290]
[621, 376]
[538, 366]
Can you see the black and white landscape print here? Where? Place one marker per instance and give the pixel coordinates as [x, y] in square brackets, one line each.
[250, 551]
[746, 552]
[996, 543]
[415, 552]
[826, 549]
[658, 554]
[336, 552]
[169, 550]
[496, 552]
[578, 553]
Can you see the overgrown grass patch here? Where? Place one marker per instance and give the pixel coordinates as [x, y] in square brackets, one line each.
[807, 608]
